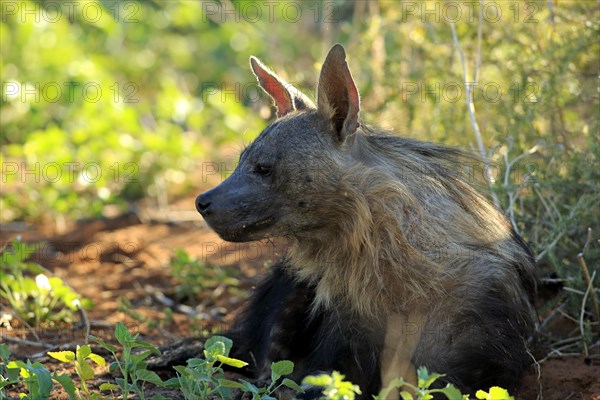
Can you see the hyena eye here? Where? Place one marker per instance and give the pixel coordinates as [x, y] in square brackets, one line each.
[262, 169]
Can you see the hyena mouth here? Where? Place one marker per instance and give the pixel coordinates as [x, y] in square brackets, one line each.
[246, 232]
[262, 223]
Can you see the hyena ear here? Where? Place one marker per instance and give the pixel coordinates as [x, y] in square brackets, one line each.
[337, 96]
[287, 98]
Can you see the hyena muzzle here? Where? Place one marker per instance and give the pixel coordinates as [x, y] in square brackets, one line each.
[394, 261]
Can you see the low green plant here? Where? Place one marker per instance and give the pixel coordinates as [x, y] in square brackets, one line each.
[204, 377]
[36, 379]
[334, 386]
[201, 379]
[279, 369]
[194, 276]
[127, 308]
[82, 367]
[134, 374]
[422, 391]
[8, 376]
[495, 393]
[32, 295]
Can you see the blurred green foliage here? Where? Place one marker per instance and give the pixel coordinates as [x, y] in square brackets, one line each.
[107, 102]
[36, 299]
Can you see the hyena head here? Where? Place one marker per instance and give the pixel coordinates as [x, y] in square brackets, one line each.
[288, 175]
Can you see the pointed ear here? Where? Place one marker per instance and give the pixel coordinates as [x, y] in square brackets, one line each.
[337, 96]
[287, 98]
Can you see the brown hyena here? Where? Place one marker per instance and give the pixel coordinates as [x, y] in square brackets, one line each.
[394, 261]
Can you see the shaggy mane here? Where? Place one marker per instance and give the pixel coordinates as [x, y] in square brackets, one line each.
[413, 233]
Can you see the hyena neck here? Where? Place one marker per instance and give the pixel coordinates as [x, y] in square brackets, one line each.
[355, 280]
[363, 261]
[396, 238]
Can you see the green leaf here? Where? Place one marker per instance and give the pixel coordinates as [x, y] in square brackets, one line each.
[450, 391]
[317, 380]
[249, 387]
[223, 348]
[64, 356]
[113, 366]
[405, 395]
[281, 368]
[123, 383]
[13, 373]
[4, 352]
[136, 359]
[172, 383]
[83, 352]
[148, 376]
[108, 386]
[393, 385]
[430, 379]
[122, 334]
[6, 383]
[85, 371]
[97, 359]
[232, 362]
[292, 385]
[44, 379]
[67, 383]
[138, 343]
[216, 348]
[230, 384]
[102, 343]
[422, 375]
[495, 393]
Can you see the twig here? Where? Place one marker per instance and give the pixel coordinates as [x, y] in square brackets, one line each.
[588, 240]
[549, 211]
[567, 316]
[30, 328]
[86, 323]
[478, 64]
[586, 275]
[566, 346]
[538, 370]
[550, 316]
[471, 109]
[26, 342]
[558, 354]
[571, 290]
[582, 312]
[570, 340]
[543, 253]
[557, 280]
[550, 11]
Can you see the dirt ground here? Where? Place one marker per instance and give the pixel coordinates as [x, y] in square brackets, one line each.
[123, 266]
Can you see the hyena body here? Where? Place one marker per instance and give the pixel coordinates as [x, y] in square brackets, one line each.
[394, 262]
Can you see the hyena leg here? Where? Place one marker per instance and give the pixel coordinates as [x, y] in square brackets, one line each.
[280, 324]
[478, 340]
[278, 305]
[403, 333]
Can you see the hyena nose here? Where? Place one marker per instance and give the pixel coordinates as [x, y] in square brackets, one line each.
[203, 204]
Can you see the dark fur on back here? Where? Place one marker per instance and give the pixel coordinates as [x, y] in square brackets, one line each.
[395, 260]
